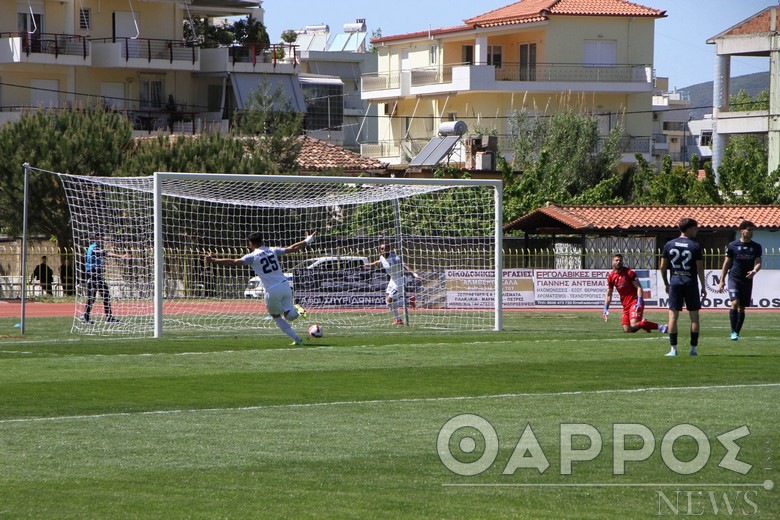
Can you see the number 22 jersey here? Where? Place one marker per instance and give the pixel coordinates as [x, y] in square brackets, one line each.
[682, 254]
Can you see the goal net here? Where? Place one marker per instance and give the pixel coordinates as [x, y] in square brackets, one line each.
[157, 230]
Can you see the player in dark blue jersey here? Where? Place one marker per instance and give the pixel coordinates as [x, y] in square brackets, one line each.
[742, 262]
[96, 282]
[682, 258]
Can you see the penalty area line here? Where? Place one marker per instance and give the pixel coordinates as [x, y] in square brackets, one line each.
[389, 401]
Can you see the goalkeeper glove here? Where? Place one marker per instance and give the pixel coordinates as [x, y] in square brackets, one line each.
[640, 304]
[606, 312]
[309, 239]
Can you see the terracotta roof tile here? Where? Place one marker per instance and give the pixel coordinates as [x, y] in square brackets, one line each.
[605, 218]
[529, 11]
[318, 156]
[421, 34]
[315, 156]
[517, 12]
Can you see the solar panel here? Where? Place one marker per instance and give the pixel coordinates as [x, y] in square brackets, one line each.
[436, 149]
[319, 42]
[339, 42]
[303, 41]
[355, 41]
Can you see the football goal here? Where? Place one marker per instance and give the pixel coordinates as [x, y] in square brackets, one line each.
[155, 232]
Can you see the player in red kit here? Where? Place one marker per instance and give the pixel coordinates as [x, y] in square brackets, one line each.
[630, 291]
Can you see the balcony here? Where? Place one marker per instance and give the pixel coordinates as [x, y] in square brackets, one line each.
[541, 77]
[250, 58]
[393, 152]
[145, 53]
[44, 48]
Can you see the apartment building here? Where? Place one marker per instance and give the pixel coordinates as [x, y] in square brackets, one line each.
[758, 36]
[539, 55]
[133, 56]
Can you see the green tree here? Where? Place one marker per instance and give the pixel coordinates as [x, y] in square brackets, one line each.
[743, 175]
[289, 36]
[251, 30]
[209, 153]
[561, 159]
[90, 141]
[198, 29]
[276, 127]
[375, 34]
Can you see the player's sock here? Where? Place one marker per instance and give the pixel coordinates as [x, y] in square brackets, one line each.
[733, 320]
[287, 329]
[694, 340]
[648, 325]
[673, 340]
[394, 307]
[740, 321]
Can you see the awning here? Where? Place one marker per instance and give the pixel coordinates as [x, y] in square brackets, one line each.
[244, 83]
[319, 80]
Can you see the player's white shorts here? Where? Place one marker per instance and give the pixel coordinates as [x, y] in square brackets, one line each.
[278, 299]
[392, 290]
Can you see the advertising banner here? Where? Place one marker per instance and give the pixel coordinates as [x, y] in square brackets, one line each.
[765, 295]
[571, 288]
[475, 288]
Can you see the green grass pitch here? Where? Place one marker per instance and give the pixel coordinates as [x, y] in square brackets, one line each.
[350, 426]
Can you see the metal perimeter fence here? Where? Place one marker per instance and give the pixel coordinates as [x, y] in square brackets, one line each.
[186, 275]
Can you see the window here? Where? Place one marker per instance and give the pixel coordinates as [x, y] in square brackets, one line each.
[600, 52]
[85, 15]
[706, 138]
[214, 99]
[151, 95]
[324, 106]
[434, 54]
[467, 55]
[494, 55]
[527, 61]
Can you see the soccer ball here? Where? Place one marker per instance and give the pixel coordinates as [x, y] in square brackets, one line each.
[315, 331]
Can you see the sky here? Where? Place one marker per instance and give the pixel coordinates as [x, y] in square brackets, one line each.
[681, 52]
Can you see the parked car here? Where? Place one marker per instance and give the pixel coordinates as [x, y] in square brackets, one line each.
[254, 287]
[332, 274]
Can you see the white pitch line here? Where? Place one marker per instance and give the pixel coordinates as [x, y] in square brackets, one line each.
[389, 401]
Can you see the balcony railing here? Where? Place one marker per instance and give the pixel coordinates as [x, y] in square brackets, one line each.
[575, 72]
[629, 144]
[374, 82]
[548, 72]
[153, 49]
[506, 143]
[253, 53]
[50, 43]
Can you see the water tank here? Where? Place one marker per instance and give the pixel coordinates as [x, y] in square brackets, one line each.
[317, 28]
[453, 128]
[355, 27]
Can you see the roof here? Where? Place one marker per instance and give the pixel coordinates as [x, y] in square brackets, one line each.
[593, 219]
[318, 156]
[530, 11]
[315, 156]
[759, 23]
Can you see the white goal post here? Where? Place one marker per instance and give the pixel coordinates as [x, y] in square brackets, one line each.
[158, 230]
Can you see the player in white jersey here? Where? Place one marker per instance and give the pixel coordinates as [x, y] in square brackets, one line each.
[395, 270]
[264, 261]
